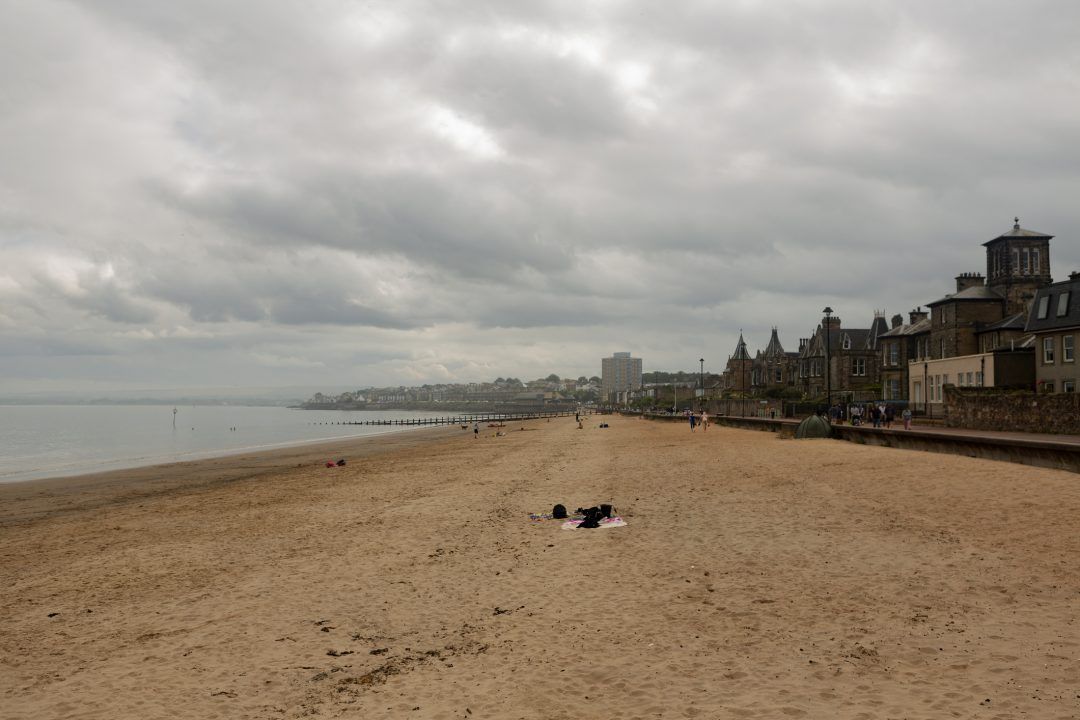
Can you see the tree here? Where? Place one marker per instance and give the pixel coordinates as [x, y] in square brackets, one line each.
[582, 380]
[552, 378]
[594, 379]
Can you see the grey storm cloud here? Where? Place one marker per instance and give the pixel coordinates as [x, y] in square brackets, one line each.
[385, 192]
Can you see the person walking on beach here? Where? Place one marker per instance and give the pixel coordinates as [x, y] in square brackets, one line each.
[906, 415]
[475, 430]
[692, 421]
[704, 421]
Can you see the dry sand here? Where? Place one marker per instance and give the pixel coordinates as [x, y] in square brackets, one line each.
[757, 578]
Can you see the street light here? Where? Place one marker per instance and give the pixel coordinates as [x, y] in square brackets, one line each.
[828, 365]
[702, 379]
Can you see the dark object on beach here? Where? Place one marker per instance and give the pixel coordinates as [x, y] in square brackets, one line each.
[559, 512]
[603, 425]
[592, 517]
[814, 426]
[605, 510]
[341, 462]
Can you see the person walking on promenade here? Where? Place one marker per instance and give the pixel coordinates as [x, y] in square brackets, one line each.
[692, 421]
[875, 415]
[890, 415]
[906, 415]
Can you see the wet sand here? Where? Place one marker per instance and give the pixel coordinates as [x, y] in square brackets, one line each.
[757, 577]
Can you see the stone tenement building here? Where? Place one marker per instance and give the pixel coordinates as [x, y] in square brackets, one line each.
[853, 357]
[977, 335]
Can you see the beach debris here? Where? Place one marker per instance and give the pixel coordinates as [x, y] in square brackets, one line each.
[341, 462]
[226, 693]
[53, 614]
[506, 611]
[379, 651]
[339, 653]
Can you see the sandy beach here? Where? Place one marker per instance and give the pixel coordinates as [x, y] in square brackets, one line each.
[757, 577]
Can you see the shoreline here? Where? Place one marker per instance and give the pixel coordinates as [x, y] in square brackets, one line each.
[28, 500]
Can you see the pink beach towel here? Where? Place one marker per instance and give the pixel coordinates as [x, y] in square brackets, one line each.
[614, 521]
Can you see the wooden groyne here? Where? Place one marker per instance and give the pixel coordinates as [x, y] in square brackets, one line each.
[464, 419]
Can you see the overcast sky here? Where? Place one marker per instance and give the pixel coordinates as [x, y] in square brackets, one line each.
[342, 194]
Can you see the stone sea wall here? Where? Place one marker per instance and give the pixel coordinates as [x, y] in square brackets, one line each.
[1017, 410]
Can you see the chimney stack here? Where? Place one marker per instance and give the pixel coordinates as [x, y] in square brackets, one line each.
[967, 280]
[916, 315]
[897, 320]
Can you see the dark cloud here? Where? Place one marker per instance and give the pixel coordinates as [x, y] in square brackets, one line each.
[279, 184]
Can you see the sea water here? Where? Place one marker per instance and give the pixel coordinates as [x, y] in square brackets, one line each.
[39, 441]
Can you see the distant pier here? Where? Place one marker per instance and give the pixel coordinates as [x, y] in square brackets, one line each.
[466, 419]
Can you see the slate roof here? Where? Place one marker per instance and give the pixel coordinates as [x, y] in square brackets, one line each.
[1018, 232]
[1013, 322]
[877, 327]
[919, 326]
[978, 292]
[774, 347]
[1070, 315]
[740, 349]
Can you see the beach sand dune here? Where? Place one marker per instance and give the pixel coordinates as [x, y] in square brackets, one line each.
[757, 577]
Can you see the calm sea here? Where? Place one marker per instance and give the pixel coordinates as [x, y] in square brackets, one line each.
[38, 441]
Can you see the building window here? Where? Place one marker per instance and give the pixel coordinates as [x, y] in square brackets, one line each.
[1046, 386]
[1067, 348]
[847, 343]
[970, 378]
[978, 379]
[1048, 351]
[1016, 263]
[941, 343]
[894, 353]
[1027, 261]
[1035, 268]
[1068, 386]
[894, 389]
[1063, 304]
[858, 366]
[1044, 306]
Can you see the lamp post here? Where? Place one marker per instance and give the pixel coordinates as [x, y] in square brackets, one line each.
[701, 380]
[745, 387]
[828, 364]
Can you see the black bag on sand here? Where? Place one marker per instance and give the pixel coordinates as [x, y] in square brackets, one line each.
[605, 510]
[592, 518]
[558, 512]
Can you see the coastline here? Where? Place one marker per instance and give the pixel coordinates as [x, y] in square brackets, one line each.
[756, 577]
[28, 500]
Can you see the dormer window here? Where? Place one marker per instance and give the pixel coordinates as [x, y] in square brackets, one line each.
[846, 343]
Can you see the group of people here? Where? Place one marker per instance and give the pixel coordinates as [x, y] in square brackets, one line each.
[695, 420]
[878, 414]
